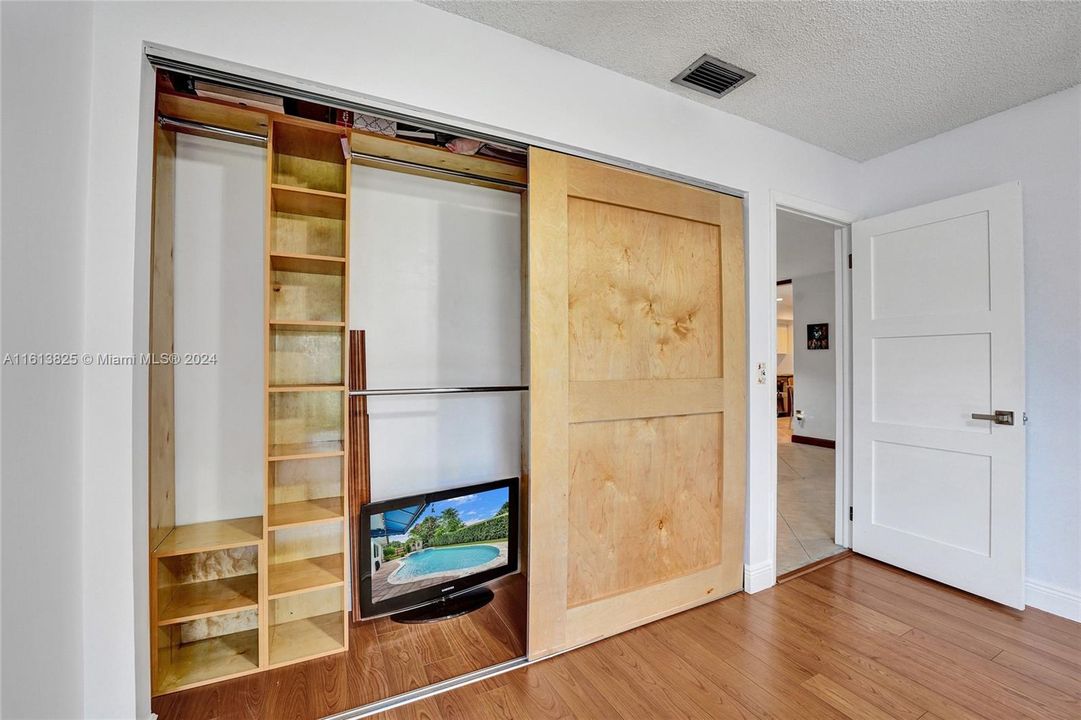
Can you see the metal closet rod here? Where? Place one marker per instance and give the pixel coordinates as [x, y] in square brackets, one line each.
[439, 391]
[165, 120]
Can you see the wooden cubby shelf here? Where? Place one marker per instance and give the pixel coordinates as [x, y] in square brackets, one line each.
[305, 575]
[305, 512]
[299, 451]
[203, 661]
[216, 535]
[312, 325]
[307, 638]
[304, 201]
[193, 601]
[298, 262]
[333, 387]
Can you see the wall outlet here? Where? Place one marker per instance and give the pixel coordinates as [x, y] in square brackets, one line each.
[761, 373]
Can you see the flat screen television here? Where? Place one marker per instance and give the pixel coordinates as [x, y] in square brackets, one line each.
[429, 554]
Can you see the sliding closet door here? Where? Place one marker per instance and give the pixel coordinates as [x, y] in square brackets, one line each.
[637, 399]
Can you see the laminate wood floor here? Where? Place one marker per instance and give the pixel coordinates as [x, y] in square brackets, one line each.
[384, 659]
[855, 639]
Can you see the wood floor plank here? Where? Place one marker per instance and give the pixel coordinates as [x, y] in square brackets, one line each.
[863, 675]
[845, 700]
[864, 613]
[992, 626]
[577, 691]
[744, 690]
[1065, 683]
[976, 693]
[833, 578]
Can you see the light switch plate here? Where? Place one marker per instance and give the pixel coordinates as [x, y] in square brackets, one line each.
[761, 373]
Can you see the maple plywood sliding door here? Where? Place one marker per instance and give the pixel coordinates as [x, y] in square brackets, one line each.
[638, 399]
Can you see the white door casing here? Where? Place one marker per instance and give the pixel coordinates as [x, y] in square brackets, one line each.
[938, 334]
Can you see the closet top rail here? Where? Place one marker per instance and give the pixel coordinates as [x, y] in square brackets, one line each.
[373, 151]
[439, 391]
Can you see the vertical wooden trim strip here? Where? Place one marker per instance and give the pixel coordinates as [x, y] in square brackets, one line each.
[360, 489]
[267, 546]
[735, 397]
[549, 405]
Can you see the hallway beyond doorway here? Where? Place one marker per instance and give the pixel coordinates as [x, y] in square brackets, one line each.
[805, 502]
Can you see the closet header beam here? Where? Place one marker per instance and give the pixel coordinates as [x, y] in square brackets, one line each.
[166, 121]
[439, 391]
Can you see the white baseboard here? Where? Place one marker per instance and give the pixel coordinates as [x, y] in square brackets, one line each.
[759, 577]
[1055, 600]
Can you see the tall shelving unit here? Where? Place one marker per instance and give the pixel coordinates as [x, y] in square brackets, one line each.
[237, 596]
[307, 290]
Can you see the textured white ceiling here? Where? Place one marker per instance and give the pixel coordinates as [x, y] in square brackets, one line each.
[858, 78]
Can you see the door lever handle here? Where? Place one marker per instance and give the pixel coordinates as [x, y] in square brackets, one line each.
[998, 417]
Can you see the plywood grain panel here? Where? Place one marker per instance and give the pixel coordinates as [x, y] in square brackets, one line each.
[162, 441]
[616, 186]
[644, 295]
[638, 408]
[644, 503]
[548, 431]
[615, 399]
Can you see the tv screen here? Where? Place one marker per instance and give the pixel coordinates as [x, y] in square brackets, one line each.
[428, 547]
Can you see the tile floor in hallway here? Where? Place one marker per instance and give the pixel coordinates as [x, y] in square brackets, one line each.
[805, 497]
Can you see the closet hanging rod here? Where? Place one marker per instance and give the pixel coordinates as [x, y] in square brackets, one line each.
[164, 120]
[439, 391]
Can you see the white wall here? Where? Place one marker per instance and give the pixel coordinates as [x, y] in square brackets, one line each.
[814, 370]
[46, 73]
[435, 283]
[392, 50]
[1039, 145]
[218, 309]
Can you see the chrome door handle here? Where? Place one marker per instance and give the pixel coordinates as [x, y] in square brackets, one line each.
[999, 417]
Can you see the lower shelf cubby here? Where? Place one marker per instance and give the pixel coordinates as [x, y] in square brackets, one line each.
[307, 625]
[207, 650]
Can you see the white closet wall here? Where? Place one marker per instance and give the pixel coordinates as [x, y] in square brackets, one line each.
[435, 281]
[218, 295]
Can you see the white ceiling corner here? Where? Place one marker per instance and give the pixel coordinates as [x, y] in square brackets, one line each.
[858, 78]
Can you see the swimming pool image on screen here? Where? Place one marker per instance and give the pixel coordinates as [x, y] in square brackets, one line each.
[427, 545]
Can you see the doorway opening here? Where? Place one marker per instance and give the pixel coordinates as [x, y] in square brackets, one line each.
[810, 362]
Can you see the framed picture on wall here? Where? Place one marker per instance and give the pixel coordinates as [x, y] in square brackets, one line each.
[818, 336]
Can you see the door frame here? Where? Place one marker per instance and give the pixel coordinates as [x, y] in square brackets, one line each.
[842, 221]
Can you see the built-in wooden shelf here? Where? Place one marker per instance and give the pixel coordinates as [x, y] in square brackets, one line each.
[298, 262]
[204, 661]
[207, 536]
[331, 387]
[308, 638]
[308, 325]
[193, 601]
[305, 512]
[305, 201]
[309, 574]
[299, 451]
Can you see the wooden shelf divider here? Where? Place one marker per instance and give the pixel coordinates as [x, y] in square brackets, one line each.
[305, 512]
[305, 575]
[195, 601]
[208, 536]
[307, 638]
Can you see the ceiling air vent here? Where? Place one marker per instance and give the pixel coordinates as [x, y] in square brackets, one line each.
[713, 77]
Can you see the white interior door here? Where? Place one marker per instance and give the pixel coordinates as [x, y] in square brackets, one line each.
[938, 338]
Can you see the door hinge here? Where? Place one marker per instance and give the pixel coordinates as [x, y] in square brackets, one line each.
[851, 515]
[849, 261]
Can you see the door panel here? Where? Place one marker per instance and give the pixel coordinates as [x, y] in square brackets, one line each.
[938, 335]
[637, 436]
